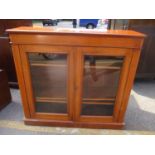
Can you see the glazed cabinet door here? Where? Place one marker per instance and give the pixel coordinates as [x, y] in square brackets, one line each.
[101, 75]
[48, 80]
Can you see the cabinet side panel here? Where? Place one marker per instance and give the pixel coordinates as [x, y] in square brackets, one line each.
[122, 83]
[18, 65]
[129, 83]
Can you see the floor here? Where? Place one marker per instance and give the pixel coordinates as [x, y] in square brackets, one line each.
[140, 116]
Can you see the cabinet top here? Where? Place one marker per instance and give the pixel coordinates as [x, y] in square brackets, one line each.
[51, 30]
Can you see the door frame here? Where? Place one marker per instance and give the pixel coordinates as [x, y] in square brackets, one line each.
[24, 50]
[104, 51]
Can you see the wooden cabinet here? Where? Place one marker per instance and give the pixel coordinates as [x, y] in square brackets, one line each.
[78, 78]
[6, 58]
[5, 95]
[6, 61]
[146, 65]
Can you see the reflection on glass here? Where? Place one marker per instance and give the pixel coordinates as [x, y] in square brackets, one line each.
[101, 76]
[49, 81]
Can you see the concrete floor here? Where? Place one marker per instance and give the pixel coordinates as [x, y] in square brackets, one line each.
[140, 116]
[141, 108]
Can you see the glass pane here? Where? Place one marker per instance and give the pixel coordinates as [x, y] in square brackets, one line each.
[49, 81]
[101, 77]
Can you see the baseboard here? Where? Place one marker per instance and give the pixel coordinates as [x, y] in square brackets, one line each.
[40, 122]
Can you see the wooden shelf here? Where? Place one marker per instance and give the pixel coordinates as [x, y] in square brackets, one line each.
[103, 67]
[61, 65]
[48, 63]
[106, 101]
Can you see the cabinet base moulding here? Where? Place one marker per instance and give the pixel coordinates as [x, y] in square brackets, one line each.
[40, 122]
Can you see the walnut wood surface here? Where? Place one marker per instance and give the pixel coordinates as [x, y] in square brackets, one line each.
[5, 95]
[6, 58]
[146, 63]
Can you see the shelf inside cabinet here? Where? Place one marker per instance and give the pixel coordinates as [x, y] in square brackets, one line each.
[61, 100]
